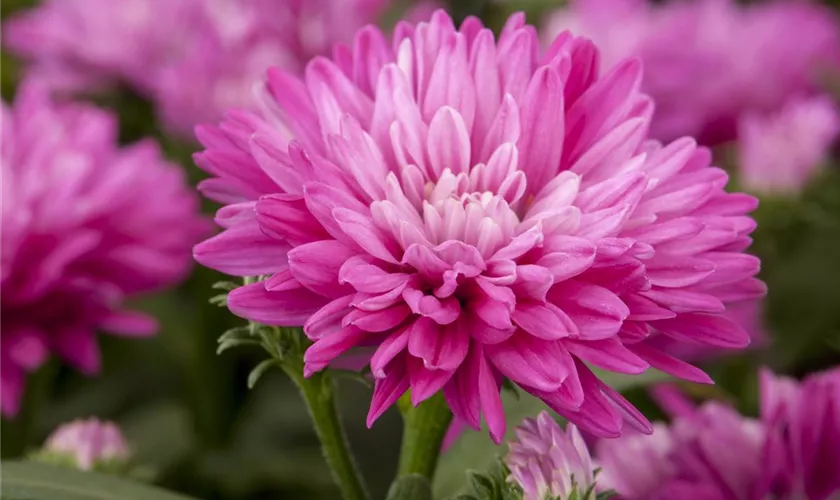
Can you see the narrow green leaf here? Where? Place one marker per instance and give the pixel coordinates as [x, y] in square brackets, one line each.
[258, 372]
[227, 344]
[37, 481]
[482, 485]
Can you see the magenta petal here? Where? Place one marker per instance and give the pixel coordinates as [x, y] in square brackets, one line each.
[678, 272]
[708, 329]
[361, 229]
[609, 354]
[130, 324]
[378, 321]
[287, 217]
[328, 347]
[387, 390]
[569, 257]
[530, 361]
[597, 312]
[78, 346]
[681, 301]
[242, 251]
[425, 383]
[461, 392]
[287, 308]
[545, 321]
[327, 318]
[491, 399]
[643, 309]
[315, 265]
[390, 348]
[441, 347]
[12, 385]
[369, 278]
[630, 413]
[670, 364]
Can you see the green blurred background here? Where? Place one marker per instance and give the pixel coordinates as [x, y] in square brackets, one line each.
[188, 413]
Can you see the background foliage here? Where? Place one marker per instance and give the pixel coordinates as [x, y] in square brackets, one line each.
[190, 417]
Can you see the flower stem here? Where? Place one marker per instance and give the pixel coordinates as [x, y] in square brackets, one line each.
[423, 432]
[319, 394]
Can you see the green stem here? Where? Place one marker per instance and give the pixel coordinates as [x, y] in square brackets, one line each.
[318, 392]
[424, 428]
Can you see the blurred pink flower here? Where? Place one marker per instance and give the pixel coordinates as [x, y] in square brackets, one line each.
[88, 443]
[79, 45]
[781, 152]
[548, 462]
[85, 224]
[193, 58]
[731, 59]
[713, 453]
[803, 420]
[476, 209]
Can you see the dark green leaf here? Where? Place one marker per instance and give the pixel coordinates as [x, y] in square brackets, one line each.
[482, 485]
[37, 481]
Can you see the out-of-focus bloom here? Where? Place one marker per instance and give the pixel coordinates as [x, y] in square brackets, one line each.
[729, 58]
[85, 224]
[233, 43]
[87, 445]
[803, 421]
[476, 209]
[548, 462]
[193, 58]
[637, 465]
[781, 152]
[713, 453]
[77, 45]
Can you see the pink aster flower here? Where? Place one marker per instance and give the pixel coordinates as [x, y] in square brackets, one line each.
[548, 462]
[731, 59]
[88, 443]
[473, 209]
[713, 453]
[85, 224]
[78, 44]
[193, 58]
[783, 151]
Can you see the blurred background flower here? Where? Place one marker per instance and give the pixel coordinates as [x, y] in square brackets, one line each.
[88, 445]
[85, 224]
[713, 452]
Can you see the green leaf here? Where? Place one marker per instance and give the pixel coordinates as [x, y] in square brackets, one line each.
[258, 372]
[482, 485]
[476, 451]
[36, 481]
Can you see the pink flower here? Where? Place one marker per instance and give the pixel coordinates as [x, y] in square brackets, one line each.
[85, 224]
[193, 58]
[88, 443]
[803, 419]
[731, 59]
[548, 462]
[233, 43]
[713, 453]
[477, 210]
[638, 464]
[76, 44]
[781, 152]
